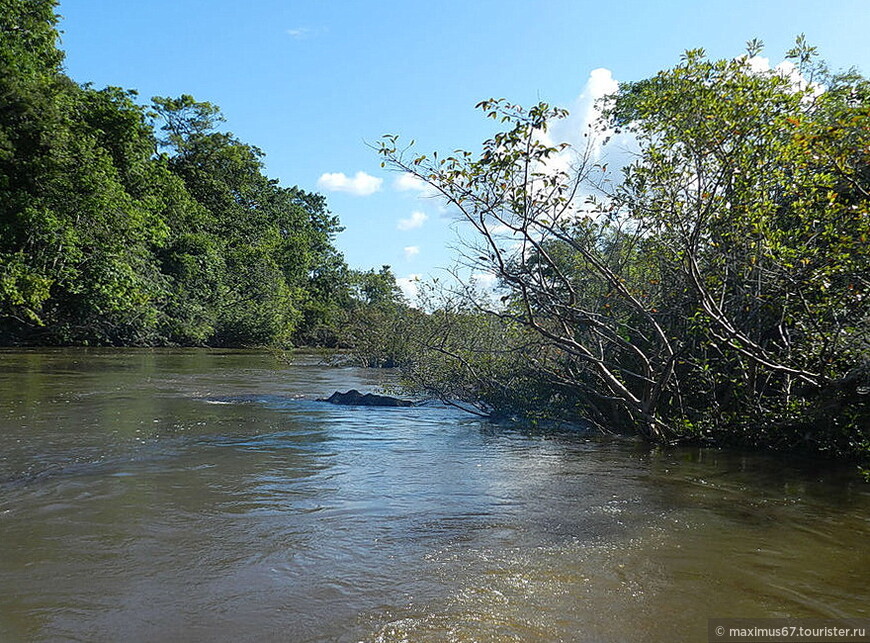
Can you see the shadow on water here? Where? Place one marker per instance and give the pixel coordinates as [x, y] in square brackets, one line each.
[198, 495]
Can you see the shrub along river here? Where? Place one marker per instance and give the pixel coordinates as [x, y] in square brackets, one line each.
[205, 495]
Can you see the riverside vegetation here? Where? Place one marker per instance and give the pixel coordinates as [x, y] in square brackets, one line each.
[714, 289]
[125, 224]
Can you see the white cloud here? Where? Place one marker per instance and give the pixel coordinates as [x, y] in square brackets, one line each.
[486, 280]
[589, 141]
[304, 33]
[411, 251]
[407, 181]
[501, 230]
[581, 127]
[416, 220]
[361, 184]
[299, 32]
[757, 64]
[585, 132]
[599, 84]
[787, 69]
[409, 286]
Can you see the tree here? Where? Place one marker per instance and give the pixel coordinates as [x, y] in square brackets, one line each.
[765, 221]
[79, 204]
[561, 269]
[720, 286]
[260, 247]
[115, 232]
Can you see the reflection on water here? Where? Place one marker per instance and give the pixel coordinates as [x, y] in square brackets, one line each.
[199, 496]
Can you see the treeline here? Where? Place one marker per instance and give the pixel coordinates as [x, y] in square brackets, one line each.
[716, 288]
[126, 224]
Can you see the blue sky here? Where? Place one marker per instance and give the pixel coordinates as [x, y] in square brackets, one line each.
[315, 83]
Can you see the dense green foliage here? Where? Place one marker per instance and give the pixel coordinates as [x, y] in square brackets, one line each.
[717, 290]
[125, 224]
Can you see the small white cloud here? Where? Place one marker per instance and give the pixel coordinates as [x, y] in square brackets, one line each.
[411, 251]
[409, 286]
[361, 184]
[416, 220]
[501, 230]
[485, 280]
[407, 181]
[787, 69]
[299, 33]
[756, 64]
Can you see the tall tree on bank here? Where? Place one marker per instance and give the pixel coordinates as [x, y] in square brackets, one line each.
[719, 288]
[252, 252]
[111, 234]
[79, 207]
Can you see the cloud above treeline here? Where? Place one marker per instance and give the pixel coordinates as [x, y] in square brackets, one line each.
[411, 252]
[410, 286]
[416, 220]
[581, 129]
[361, 184]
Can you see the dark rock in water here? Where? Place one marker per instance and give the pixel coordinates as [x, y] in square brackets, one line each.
[355, 398]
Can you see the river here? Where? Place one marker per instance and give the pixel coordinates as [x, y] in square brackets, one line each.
[193, 495]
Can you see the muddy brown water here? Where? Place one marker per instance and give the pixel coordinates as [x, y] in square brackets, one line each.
[193, 495]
